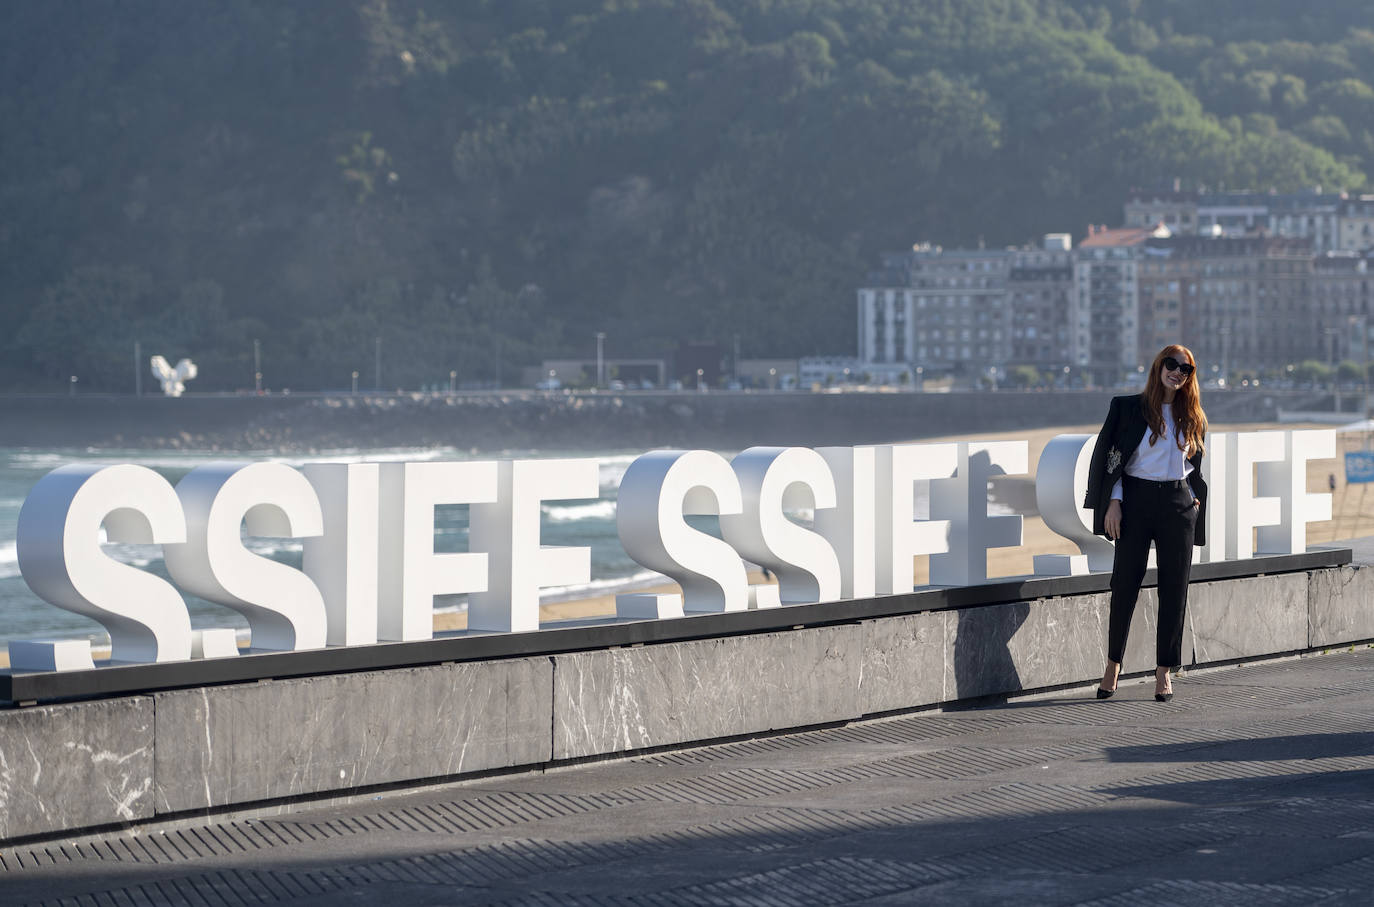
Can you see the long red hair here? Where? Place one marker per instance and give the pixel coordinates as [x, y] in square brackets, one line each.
[1187, 406]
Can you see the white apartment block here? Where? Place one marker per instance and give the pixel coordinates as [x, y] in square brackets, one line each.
[967, 312]
[1310, 215]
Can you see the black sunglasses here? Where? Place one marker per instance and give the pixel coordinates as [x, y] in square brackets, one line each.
[1174, 365]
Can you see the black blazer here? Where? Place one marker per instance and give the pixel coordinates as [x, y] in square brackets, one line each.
[1121, 434]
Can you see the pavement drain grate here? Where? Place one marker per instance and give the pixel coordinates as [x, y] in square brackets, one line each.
[1163, 785]
[1215, 894]
[219, 888]
[1354, 874]
[500, 809]
[1077, 712]
[905, 730]
[1079, 849]
[1251, 697]
[840, 880]
[762, 747]
[727, 787]
[489, 863]
[156, 848]
[765, 831]
[1018, 799]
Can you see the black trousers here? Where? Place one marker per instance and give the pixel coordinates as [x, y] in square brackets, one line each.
[1162, 513]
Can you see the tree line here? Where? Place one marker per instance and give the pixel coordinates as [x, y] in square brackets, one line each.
[481, 185]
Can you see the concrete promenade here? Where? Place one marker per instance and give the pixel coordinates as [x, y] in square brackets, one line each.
[1255, 786]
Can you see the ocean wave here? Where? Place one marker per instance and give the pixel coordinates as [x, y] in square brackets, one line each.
[569, 513]
[603, 586]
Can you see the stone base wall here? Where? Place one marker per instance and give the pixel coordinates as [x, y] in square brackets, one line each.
[68, 767]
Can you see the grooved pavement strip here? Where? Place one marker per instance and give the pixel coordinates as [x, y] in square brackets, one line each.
[1255, 786]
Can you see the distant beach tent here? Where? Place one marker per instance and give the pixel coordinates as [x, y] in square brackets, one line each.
[173, 379]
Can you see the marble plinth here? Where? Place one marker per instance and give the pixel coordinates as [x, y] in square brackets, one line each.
[903, 662]
[75, 766]
[619, 700]
[218, 746]
[1340, 606]
[1259, 615]
[1023, 645]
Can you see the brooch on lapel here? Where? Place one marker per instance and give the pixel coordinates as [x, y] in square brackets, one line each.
[1113, 460]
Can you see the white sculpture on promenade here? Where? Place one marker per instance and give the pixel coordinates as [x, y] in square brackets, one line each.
[963, 500]
[283, 607]
[657, 490]
[60, 557]
[773, 479]
[173, 379]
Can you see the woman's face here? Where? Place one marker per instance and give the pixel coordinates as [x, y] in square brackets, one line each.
[1176, 371]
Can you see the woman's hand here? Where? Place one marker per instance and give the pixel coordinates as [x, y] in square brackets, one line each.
[1112, 521]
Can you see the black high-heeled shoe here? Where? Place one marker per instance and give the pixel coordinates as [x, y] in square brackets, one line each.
[1164, 697]
[1104, 694]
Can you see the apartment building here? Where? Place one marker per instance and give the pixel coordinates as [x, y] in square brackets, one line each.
[1311, 215]
[944, 310]
[1242, 302]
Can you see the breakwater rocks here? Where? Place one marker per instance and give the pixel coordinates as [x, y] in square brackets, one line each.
[492, 422]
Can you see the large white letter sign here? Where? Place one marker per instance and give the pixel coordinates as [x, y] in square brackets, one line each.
[1287, 481]
[963, 500]
[900, 537]
[507, 531]
[1215, 464]
[284, 608]
[657, 490]
[60, 557]
[1061, 483]
[1249, 510]
[850, 525]
[772, 478]
[410, 573]
[343, 561]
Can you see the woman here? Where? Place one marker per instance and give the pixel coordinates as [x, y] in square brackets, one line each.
[1145, 485]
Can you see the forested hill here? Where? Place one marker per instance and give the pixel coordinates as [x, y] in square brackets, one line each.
[485, 182]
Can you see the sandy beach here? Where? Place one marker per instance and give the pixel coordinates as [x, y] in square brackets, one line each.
[1353, 516]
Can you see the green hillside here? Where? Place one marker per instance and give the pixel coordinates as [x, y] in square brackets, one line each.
[487, 182]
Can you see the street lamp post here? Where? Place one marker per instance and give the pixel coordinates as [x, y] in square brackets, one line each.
[772, 379]
[920, 379]
[452, 377]
[1225, 356]
[1331, 361]
[257, 367]
[355, 381]
[600, 361]
[72, 391]
[700, 374]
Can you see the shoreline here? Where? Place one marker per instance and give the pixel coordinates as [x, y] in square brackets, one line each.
[1350, 519]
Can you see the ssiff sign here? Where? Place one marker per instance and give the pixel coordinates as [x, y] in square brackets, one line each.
[370, 571]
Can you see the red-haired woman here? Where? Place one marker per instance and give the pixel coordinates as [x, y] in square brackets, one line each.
[1145, 485]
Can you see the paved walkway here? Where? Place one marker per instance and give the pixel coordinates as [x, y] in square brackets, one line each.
[1254, 787]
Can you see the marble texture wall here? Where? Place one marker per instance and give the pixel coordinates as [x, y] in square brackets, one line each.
[75, 766]
[903, 662]
[84, 765]
[1258, 615]
[1340, 607]
[282, 738]
[616, 700]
